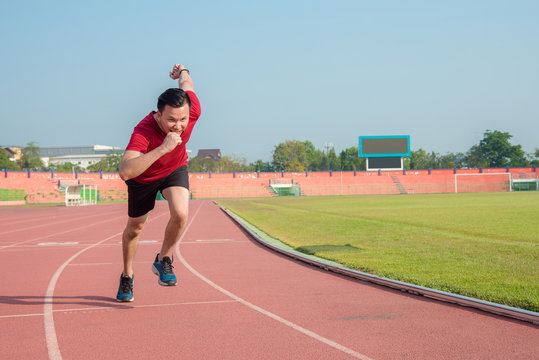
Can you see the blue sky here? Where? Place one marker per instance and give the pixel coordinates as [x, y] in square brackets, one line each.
[81, 73]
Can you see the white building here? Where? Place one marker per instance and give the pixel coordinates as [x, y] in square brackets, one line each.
[82, 156]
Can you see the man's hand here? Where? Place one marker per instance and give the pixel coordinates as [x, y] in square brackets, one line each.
[172, 140]
[185, 83]
[175, 73]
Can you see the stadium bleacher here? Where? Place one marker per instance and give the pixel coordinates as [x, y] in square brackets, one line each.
[46, 187]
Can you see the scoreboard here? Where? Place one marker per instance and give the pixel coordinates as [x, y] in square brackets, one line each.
[384, 152]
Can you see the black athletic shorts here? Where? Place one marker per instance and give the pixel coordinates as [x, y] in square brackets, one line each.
[141, 197]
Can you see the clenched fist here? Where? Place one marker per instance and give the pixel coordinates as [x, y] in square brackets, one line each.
[175, 73]
[172, 140]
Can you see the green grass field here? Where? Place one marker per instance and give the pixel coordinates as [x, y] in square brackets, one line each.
[483, 245]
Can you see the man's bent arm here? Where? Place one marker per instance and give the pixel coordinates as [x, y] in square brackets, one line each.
[135, 163]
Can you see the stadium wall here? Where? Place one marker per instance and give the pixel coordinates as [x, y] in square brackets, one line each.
[47, 187]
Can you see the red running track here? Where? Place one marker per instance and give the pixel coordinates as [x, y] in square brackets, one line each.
[236, 299]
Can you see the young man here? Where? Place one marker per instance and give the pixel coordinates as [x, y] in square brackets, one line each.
[155, 160]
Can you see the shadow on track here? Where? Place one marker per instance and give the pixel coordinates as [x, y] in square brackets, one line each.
[97, 301]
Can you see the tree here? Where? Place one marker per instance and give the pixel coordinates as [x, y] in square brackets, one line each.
[495, 150]
[200, 164]
[319, 161]
[110, 163]
[535, 157]
[6, 163]
[65, 167]
[290, 155]
[333, 160]
[262, 166]
[420, 159]
[230, 163]
[225, 164]
[451, 161]
[30, 159]
[350, 160]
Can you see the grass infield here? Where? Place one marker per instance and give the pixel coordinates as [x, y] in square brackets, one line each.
[482, 245]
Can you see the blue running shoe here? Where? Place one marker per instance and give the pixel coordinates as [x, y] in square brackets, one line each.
[163, 269]
[125, 291]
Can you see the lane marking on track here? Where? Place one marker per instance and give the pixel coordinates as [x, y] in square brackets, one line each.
[143, 242]
[215, 240]
[48, 319]
[58, 243]
[252, 306]
[121, 307]
[48, 246]
[212, 241]
[110, 263]
[45, 223]
[50, 331]
[59, 233]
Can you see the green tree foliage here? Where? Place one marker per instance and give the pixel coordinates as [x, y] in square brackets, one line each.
[420, 159]
[294, 155]
[5, 163]
[349, 160]
[319, 161]
[290, 155]
[495, 150]
[65, 167]
[333, 160]
[262, 166]
[30, 157]
[451, 160]
[534, 158]
[225, 164]
[110, 163]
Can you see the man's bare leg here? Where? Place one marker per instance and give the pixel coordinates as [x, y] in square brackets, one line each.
[130, 239]
[178, 203]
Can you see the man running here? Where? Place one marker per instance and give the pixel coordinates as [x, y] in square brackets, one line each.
[155, 160]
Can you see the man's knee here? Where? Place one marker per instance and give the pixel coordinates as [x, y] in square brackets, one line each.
[134, 226]
[179, 216]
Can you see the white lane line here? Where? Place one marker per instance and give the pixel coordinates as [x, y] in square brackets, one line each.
[48, 319]
[24, 228]
[211, 241]
[110, 263]
[50, 331]
[188, 303]
[58, 243]
[59, 233]
[121, 307]
[267, 313]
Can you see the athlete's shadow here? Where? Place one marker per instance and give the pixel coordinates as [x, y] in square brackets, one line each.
[88, 300]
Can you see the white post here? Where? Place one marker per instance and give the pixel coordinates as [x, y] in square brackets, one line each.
[510, 182]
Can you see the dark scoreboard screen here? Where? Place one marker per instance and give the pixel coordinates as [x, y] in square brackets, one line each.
[384, 146]
[385, 163]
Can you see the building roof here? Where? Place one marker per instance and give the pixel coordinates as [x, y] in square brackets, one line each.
[13, 152]
[57, 151]
[214, 154]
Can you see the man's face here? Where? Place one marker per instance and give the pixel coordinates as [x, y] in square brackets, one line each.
[173, 119]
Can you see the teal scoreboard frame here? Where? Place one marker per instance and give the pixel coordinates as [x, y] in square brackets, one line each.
[384, 152]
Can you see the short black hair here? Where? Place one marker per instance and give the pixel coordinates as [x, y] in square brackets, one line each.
[172, 97]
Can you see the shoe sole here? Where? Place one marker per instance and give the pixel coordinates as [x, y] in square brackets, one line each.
[156, 272]
[129, 300]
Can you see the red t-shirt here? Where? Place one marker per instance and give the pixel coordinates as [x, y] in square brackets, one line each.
[148, 135]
